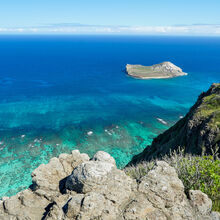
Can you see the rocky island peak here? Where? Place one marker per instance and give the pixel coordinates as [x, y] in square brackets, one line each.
[157, 71]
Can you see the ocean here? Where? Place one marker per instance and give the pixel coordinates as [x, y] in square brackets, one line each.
[60, 93]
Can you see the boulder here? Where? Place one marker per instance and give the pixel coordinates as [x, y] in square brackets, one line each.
[47, 178]
[102, 177]
[200, 201]
[165, 191]
[96, 189]
[25, 205]
[104, 157]
[44, 197]
[88, 176]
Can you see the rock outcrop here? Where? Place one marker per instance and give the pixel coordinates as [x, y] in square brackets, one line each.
[76, 187]
[157, 71]
[198, 131]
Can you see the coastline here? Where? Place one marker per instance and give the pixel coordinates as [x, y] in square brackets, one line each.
[101, 89]
[158, 77]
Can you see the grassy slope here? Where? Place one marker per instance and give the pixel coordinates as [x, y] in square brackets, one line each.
[145, 71]
[199, 129]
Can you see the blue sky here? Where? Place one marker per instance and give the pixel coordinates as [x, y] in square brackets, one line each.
[184, 17]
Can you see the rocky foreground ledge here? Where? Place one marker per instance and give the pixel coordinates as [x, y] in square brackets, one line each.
[158, 71]
[74, 186]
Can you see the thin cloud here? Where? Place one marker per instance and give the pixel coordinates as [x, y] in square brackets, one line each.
[76, 28]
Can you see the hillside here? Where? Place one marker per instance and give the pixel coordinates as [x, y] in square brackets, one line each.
[198, 132]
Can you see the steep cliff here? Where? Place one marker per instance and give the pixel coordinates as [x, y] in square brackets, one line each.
[197, 132]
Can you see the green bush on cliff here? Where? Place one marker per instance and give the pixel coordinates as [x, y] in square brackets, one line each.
[210, 106]
[196, 172]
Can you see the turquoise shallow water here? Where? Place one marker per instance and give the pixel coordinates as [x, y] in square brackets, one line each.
[55, 91]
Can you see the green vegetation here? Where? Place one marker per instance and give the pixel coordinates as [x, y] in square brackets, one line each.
[201, 126]
[144, 71]
[196, 172]
[210, 107]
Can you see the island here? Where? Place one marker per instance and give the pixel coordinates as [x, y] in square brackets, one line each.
[158, 71]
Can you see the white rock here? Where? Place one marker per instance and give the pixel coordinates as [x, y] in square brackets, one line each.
[103, 156]
[89, 133]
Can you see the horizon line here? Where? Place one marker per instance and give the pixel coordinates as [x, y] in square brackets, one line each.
[85, 29]
[103, 34]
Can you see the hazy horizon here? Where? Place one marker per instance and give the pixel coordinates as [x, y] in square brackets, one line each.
[188, 18]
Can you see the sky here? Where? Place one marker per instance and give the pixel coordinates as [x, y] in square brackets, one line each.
[172, 17]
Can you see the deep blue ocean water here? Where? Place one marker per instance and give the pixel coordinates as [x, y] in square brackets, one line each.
[56, 89]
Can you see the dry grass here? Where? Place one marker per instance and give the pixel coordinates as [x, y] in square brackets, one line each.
[196, 172]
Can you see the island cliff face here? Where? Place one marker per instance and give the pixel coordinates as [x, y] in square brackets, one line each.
[198, 131]
[157, 71]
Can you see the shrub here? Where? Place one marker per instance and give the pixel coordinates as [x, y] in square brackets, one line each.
[140, 170]
[196, 172]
